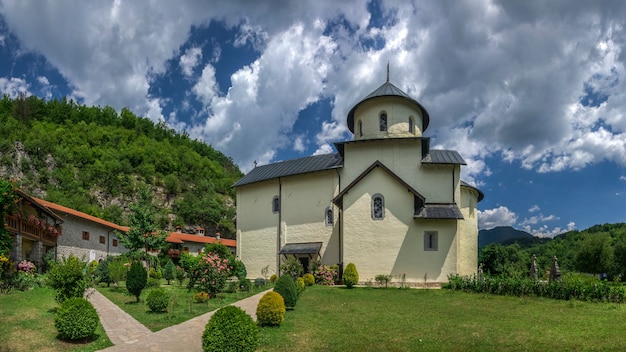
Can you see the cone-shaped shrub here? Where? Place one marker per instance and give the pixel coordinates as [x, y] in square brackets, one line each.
[350, 276]
[299, 286]
[286, 288]
[137, 279]
[271, 309]
[309, 279]
[76, 319]
[230, 329]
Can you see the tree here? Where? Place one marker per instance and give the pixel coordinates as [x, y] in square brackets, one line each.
[68, 278]
[596, 254]
[137, 279]
[8, 199]
[170, 271]
[142, 221]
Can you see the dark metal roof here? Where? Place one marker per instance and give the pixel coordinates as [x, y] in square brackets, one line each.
[436, 156]
[389, 90]
[291, 167]
[439, 211]
[301, 248]
[481, 195]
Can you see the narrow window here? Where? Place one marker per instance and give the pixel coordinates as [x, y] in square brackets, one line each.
[383, 121]
[102, 240]
[328, 216]
[85, 235]
[114, 243]
[378, 207]
[360, 128]
[411, 125]
[276, 204]
[430, 240]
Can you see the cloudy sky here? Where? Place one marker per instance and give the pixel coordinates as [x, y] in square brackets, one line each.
[531, 93]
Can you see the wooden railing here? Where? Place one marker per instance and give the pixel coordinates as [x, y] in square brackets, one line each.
[29, 229]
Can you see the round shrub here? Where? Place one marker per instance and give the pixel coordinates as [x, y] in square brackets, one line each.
[244, 284]
[259, 282]
[350, 276]
[300, 286]
[286, 288]
[153, 283]
[230, 329]
[200, 297]
[273, 278]
[158, 300]
[136, 279]
[271, 309]
[309, 279]
[155, 274]
[76, 319]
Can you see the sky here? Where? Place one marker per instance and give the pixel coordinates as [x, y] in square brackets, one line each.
[531, 93]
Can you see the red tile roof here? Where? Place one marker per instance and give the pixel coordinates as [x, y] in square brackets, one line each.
[62, 209]
[177, 237]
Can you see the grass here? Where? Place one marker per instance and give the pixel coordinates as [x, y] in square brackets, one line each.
[378, 319]
[182, 309]
[27, 324]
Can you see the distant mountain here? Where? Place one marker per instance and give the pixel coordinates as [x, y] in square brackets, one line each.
[501, 234]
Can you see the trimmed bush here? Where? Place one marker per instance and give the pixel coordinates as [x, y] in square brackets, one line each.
[271, 309]
[259, 282]
[68, 279]
[137, 279]
[287, 288]
[273, 278]
[76, 319]
[350, 276]
[155, 274]
[230, 329]
[200, 297]
[309, 279]
[153, 283]
[158, 300]
[244, 284]
[300, 286]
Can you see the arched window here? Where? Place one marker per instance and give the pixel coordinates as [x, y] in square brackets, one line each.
[383, 121]
[360, 128]
[378, 207]
[275, 204]
[328, 216]
[411, 125]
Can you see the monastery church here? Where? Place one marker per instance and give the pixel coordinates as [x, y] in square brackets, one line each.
[384, 201]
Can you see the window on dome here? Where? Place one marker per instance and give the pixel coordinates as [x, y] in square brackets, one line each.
[411, 125]
[276, 204]
[383, 121]
[360, 128]
[328, 216]
[378, 207]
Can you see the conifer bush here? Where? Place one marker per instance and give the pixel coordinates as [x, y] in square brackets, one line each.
[287, 288]
[137, 279]
[158, 300]
[271, 309]
[309, 279]
[300, 286]
[350, 276]
[230, 329]
[169, 271]
[76, 319]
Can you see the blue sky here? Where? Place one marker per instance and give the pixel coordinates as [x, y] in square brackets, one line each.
[531, 93]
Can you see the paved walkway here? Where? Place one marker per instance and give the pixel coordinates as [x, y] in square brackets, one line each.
[127, 334]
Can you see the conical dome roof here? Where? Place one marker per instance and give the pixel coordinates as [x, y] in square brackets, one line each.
[388, 90]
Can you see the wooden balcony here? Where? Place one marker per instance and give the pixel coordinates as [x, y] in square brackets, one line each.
[16, 225]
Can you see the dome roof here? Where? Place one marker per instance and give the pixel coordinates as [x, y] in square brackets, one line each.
[388, 90]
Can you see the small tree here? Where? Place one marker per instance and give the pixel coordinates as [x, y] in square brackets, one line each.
[350, 276]
[287, 288]
[102, 272]
[137, 279]
[68, 279]
[169, 271]
[117, 270]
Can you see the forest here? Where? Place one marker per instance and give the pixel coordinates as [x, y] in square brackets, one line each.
[94, 159]
[599, 250]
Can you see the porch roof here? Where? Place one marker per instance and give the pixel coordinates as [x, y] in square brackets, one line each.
[302, 248]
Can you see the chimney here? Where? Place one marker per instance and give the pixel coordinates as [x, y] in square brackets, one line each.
[217, 235]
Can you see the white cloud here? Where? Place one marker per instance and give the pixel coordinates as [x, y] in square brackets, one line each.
[500, 216]
[190, 60]
[299, 144]
[206, 87]
[534, 208]
[533, 220]
[13, 87]
[622, 178]
[545, 231]
[324, 149]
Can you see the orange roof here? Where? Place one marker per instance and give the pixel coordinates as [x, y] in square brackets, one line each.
[177, 237]
[79, 214]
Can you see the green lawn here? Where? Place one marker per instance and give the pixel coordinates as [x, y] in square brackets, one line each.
[183, 306]
[378, 319]
[27, 324]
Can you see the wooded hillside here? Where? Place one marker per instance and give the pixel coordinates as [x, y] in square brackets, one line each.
[93, 159]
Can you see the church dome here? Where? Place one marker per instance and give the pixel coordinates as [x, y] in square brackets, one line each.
[385, 91]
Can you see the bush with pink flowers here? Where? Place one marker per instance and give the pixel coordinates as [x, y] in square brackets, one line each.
[210, 274]
[325, 275]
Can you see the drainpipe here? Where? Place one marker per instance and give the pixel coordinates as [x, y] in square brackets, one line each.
[340, 227]
[280, 212]
[453, 185]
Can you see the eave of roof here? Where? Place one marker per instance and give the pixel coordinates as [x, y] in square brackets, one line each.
[439, 211]
[81, 215]
[35, 203]
[481, 195]
[438, 156]
[388, 90]
[301, 248]
[291, 167]
[177, 237]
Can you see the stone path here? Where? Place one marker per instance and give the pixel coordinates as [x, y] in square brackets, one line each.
[127, 334]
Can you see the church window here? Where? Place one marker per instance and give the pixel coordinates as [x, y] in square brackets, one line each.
[383, 121]
[328, 216]
[411, 125]
[275, 204]
[431, 240]
[360, 128]
[378, 207]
